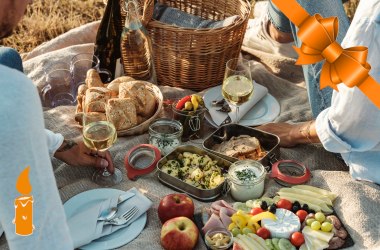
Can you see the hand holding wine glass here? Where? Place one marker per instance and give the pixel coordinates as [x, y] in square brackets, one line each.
[237, 84]
[99, 134]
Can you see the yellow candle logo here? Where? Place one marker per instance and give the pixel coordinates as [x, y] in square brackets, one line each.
[24, 205]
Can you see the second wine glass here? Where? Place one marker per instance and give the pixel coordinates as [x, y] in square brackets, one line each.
[99, 134]
[237, 85]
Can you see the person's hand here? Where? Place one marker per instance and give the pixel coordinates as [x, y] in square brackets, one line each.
[289, 134]
[78, 155]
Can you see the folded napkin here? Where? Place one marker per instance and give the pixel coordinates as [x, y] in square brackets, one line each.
[174, 16]
[218, 117]
[84, 226]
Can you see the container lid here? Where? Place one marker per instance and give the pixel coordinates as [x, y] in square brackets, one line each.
[290, 172]
[246, 172]
[141, 160]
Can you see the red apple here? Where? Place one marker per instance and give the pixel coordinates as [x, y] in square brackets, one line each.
[179, 233]
[175, 205]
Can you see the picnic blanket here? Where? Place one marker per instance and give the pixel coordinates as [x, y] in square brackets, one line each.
[357, 203]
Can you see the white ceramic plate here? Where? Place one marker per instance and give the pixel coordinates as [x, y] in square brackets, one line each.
[266, 110]
[114, 240]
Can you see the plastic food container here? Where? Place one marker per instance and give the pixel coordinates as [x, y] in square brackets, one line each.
[181, 186]
[246, 179]
[165, 134]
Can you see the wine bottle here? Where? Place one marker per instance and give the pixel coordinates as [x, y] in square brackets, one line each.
[136, 46]
[107, 44]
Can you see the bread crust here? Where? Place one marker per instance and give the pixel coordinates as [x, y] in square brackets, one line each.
[122, 113]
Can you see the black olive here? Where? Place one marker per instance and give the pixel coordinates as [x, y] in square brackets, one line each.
[272, 209]
[296, 203]
[311, 211]
[305, 207]
[264, 205]
[295, 208]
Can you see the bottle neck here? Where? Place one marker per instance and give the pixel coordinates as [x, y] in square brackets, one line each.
[132, 20]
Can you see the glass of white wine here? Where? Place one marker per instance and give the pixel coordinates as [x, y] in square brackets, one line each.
[99, 134]
[237, 85]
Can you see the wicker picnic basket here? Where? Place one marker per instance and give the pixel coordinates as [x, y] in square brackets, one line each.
[194, 58]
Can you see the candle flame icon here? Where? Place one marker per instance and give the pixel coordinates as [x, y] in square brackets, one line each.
[24, 205]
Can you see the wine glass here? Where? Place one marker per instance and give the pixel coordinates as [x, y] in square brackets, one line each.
[99, 134]
[237, 85]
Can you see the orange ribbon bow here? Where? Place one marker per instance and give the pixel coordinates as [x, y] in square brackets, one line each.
[318, 37]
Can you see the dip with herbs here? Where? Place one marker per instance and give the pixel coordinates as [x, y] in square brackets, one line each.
[246, 180]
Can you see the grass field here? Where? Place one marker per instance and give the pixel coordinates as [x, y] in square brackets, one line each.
[46, 19]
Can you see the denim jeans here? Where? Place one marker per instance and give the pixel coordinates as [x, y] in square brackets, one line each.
[11, 58]
[319, 99]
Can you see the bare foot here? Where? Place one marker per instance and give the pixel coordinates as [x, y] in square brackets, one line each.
[279, 36]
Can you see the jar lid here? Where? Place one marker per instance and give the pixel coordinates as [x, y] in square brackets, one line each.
[246, 172]
[141, 160]
[290, 172]
[166, 127]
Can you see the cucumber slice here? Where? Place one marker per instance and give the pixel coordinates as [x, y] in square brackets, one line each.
[275, 243]
[284, 244]
[269, 244]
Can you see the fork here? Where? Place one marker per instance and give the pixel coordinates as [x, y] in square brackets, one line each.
[124, 218]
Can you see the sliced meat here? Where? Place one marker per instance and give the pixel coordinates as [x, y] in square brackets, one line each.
[226, 204]
[226, 210]
[213, 222]
[224, 217]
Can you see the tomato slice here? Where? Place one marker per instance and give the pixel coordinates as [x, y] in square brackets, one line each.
[181, 103]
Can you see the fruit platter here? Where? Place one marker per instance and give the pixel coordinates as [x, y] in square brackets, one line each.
[298, 217]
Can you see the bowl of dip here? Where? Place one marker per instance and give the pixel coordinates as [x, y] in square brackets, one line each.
[246, 179]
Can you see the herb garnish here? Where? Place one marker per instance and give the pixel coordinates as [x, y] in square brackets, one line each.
[245, 175]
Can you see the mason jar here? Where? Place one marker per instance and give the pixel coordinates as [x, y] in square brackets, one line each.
[246, 179]
[165, 134]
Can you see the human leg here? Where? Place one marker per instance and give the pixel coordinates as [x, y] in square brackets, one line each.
[11, 58]
[320, 99]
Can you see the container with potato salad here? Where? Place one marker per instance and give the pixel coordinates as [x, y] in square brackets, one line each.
[194, 171]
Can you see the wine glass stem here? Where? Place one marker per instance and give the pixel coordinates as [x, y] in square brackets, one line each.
[105, 172]
[237, 114]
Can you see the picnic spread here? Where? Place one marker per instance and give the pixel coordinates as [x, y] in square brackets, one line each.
[279, 82]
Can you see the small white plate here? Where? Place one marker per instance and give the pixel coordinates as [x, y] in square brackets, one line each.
[266, 110]
[114, 240]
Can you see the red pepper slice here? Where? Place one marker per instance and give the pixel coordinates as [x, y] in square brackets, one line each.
[181, 103]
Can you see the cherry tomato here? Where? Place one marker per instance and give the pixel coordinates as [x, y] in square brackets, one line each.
[256, 210]
[181, 103]
[286, 204]
[301, 215]
[297, 239]
[263, 233]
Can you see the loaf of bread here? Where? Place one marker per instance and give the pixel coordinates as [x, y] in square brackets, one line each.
[94, 96]
[122, 113]
[145, 101]
[114, 85]
[93, 79]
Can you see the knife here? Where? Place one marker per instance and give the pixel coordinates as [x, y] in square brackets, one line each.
[124, 197]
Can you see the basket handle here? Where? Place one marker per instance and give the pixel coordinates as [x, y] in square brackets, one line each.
[147, 11]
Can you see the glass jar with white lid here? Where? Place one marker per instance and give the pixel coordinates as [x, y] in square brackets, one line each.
[246, 179]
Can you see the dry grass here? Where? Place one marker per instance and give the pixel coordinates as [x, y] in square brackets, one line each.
[47, 19]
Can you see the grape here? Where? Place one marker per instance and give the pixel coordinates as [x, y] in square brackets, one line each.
[326, 227]
[316, 225]
[247, 230]
[309, 221]
[320, 217]
[235, 231]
